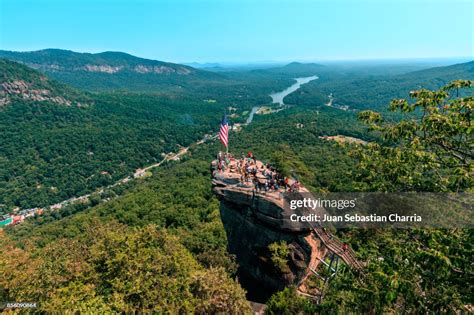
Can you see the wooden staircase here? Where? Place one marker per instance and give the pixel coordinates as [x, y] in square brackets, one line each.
[337, 247]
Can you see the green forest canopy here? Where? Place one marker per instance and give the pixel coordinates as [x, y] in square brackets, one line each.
[172, 217]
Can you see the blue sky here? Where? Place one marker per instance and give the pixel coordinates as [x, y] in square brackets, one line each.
[244, 30]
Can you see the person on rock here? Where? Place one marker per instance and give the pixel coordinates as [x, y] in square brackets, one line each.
[296, 186]
[273, 184]
[254, 172]
[281, 181]
[269, 175]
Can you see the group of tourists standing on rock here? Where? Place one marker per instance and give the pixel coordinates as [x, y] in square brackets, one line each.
[264, 177]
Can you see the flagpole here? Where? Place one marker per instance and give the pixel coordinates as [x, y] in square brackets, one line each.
[228, 135]
[228, 141]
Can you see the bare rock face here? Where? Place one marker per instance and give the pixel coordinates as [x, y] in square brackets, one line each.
[253, 222]
[249, 239]
[24, 90]
[161, 70]
[102, 68]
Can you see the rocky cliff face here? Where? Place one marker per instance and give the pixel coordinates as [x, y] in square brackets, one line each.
[19, 83]
[24, 90]
[57, 60]
[111, 69]
[252, 223]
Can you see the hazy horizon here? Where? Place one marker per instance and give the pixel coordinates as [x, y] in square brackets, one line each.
[374, 61]
[210, 31]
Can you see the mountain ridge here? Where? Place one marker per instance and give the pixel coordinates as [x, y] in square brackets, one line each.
[107, 62]
[19, 82]
[462, 68]
[110, 70]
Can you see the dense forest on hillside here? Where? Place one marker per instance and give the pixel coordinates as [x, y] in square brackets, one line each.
[161, 239]
[38, 87]
[50, 153]
[319, 163]
[115, 71]
[359, 87]
[413, 270]
[177, 201]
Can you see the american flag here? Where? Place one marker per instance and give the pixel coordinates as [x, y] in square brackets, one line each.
[224, 131]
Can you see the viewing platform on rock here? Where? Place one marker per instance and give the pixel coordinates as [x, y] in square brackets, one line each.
[251, 184]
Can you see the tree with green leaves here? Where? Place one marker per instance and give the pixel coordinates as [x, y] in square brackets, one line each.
[287, 302]
[279, 255]
[116, 269]
[430, 149]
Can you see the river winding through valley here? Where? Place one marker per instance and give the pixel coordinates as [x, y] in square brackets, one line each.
[277, 97]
